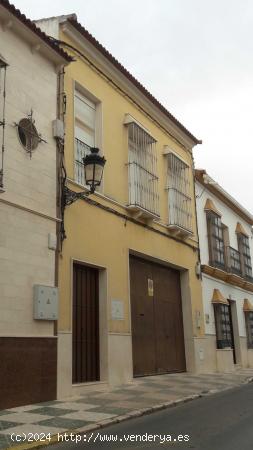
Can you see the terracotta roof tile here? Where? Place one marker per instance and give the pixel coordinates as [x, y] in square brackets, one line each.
[29, 24]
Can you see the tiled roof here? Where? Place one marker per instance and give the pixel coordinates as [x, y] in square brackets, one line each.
[29, 24]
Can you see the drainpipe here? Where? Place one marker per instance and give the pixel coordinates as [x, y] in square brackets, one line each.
[59, 145]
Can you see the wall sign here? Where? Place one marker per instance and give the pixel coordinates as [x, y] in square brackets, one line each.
[117, 310]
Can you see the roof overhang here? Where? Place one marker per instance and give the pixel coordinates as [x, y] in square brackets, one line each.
[212, 186]
[11, 18]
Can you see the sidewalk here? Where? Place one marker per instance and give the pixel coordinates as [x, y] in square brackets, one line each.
[98, 409]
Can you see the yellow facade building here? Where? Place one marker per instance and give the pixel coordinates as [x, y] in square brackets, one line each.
[130, 293]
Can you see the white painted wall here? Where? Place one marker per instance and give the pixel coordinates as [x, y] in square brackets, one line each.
[25, 259]
[49, 26]
[229, 218]
[229, 292]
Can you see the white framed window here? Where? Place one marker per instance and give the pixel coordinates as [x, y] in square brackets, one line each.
[85, 132]
[142, 171]
[179, 197]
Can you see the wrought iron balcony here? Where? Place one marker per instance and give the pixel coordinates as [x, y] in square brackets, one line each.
[233, 261]
[81, 150]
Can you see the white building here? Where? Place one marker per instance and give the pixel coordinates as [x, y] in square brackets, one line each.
[29, 72]
[226, 248]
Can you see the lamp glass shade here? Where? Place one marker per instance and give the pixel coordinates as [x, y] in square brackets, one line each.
[93, 168]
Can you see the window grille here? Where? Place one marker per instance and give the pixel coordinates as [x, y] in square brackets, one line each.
[81, 150]
[224, 333]
[244, 249]
[234, 261]
[215, 240]
[142, 164]
[180, 203]
[249, 327]
[85, 121]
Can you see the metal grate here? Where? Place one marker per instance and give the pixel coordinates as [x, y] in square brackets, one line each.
[234, 261]
[81, 150]
[180, 207]
[142, 164]
[224, 330]
[243, 243]
[216, 241]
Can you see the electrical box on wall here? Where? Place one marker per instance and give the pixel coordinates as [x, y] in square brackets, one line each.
[45, 303]
[58, 128]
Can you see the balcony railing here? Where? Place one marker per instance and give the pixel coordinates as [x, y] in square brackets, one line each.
[143, 189]
[233, 262]
[81, 150]
[180, 213]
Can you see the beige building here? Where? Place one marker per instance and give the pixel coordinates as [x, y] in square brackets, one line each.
[29, 70]
[130, 297]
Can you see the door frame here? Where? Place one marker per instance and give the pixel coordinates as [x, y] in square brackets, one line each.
[103, 322]
[186, 301]
[183, 283]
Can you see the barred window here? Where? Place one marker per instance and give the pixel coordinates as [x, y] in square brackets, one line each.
[223, 325]
[179, 197]
[215, 240]
[249, 327]
[142, 165]
[234, 261]
[244, 249]
[85, 119]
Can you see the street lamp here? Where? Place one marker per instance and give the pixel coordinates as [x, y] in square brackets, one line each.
[93, 165]
[93, 169]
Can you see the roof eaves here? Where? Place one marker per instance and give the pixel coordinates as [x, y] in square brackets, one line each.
[223, 195]
[29, 24]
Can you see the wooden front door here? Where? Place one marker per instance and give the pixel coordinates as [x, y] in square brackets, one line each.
[85, 330]
[157, 325]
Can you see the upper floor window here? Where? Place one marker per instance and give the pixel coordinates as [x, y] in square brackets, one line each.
[215, 240]
[244, 249]
[179, 197]
[85, 131]
[142, 165]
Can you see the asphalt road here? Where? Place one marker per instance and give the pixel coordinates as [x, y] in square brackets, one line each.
[222, 421]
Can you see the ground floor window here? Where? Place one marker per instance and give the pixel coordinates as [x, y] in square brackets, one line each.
[223, 326]
[249, 327]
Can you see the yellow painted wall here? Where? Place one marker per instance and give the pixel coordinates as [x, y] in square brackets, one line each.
[101, 238]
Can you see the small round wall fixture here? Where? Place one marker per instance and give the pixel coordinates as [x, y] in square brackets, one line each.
[28, 135]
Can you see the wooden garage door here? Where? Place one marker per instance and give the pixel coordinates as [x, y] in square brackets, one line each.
[157, 325]
[85, 331]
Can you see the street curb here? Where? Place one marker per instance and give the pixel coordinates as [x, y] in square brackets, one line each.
[132, 415]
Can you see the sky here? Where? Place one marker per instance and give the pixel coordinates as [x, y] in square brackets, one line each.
[195, 57]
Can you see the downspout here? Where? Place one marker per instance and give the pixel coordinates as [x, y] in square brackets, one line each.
[59, 145]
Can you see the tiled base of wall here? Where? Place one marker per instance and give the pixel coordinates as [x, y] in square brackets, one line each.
[27, 371]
